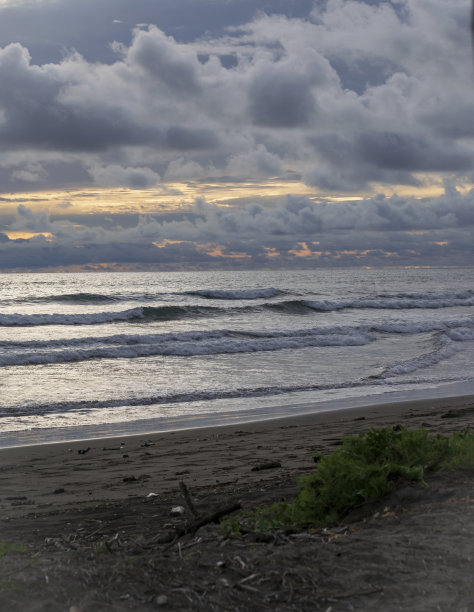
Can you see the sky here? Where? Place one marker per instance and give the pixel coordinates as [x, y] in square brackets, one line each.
[235, 134]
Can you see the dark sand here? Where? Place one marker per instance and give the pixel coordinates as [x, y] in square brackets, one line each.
[93, 538]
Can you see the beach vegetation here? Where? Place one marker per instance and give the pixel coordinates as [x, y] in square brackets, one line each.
[364, 469]
[7, 548]
[102, 547]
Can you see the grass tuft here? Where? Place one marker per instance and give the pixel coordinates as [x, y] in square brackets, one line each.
[9, 547]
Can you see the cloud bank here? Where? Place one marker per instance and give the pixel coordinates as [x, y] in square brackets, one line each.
[295, 231]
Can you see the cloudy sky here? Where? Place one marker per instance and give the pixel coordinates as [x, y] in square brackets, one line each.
[182, 134]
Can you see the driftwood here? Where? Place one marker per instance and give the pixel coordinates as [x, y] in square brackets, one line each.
[266, 466]
[213, 516]
[199, 521]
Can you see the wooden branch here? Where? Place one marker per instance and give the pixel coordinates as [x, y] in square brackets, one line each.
[213, 516]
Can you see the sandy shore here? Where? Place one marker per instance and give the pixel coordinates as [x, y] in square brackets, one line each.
[67, 488]
[114, 468]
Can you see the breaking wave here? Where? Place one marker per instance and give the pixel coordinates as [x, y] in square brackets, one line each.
[397, 302]
[141, 313]
[94, 318]
[181, 344]
[448, 335]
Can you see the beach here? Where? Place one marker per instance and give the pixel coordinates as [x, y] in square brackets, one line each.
[61, 502]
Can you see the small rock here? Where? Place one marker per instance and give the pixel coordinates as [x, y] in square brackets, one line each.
[177, 511]
[61, 490]
[161, 600]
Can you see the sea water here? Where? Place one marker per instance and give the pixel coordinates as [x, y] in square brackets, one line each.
[92, 354]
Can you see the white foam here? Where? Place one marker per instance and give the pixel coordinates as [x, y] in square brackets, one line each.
[10, 320]
[208, 344]
[398, 302]
[446, 349]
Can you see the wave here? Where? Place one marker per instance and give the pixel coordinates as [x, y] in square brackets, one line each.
[68, 298]
[225, 341]
[446, 348]
[141, 313]
[94, 318]
[178, 311]
[397, 302]
[81, 298]
[181, 344]
[246, 294]
[289, 307]
[168, 313]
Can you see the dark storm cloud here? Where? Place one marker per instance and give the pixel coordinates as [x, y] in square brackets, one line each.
[174, 67]
[398, 151]
[393, 157]
[188, 139]
[34, 116]
[346, 93]
[281, 99]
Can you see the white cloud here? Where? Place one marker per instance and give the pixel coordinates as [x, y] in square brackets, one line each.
[31, 173]
[182, 170]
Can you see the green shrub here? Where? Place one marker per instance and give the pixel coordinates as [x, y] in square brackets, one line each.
[363, 469]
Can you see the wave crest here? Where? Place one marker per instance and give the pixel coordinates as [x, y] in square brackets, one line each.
[245, 294]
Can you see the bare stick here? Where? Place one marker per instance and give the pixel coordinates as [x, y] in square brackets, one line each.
[187, 499]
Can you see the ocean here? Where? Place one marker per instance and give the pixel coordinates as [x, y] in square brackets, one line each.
[96, 354]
